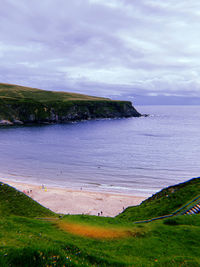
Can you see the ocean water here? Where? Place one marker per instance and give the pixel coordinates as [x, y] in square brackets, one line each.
[133, 156]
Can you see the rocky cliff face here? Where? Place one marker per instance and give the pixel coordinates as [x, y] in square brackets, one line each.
[23, 112]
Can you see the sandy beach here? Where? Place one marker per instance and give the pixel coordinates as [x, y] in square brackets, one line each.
[69, 201]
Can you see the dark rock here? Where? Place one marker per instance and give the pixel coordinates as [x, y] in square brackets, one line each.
[59, 112]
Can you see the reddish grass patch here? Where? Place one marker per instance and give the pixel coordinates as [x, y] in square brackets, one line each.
[96, 232]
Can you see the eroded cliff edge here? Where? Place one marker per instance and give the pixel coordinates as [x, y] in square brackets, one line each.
[23, 105]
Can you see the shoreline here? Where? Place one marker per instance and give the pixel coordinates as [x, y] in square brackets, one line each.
[74, 201]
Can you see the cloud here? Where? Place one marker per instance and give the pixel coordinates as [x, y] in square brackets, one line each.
[104, 47]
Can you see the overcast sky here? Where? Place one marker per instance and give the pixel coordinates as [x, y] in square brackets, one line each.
[102, 47]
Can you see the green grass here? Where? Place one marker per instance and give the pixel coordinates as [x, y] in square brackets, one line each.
[27, 241]
[17, 203]
[11, 91]
[164, 202]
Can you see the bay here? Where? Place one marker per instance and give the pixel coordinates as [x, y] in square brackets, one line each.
[136, 156]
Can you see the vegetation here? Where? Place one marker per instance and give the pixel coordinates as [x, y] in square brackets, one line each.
[31, 235]
[164, 202]
[10, 91]
[17, 203]
[30, 105]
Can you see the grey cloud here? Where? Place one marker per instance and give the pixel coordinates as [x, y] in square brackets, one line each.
[118, 46]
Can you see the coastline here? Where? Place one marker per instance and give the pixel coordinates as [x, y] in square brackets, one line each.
[71, 201]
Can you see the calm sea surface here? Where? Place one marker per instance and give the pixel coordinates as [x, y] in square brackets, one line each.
[136, 155]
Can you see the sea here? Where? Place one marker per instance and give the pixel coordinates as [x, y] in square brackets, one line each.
[137, 156]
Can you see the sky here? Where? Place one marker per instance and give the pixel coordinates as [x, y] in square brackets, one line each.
[148, 50]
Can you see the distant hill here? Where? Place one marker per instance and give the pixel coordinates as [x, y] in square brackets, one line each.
[19, 92]
[19, 105]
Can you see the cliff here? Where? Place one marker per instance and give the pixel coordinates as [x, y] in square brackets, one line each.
[23, 105]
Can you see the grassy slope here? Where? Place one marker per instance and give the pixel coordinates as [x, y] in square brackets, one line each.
[164, 202]
[29, 242]
[17, 203]
[25, 241]
[10, 91]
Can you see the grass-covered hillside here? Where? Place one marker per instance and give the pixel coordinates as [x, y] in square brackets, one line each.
[11, 91]
[31, 235]
[19, 104]
[164, 202]
[17, 203]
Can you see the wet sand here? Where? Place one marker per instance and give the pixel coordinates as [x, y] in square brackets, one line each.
[69, 201]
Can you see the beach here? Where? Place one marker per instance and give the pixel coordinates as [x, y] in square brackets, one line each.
[70, 201]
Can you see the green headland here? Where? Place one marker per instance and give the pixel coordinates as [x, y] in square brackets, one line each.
[22, 105]
[31, 235]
